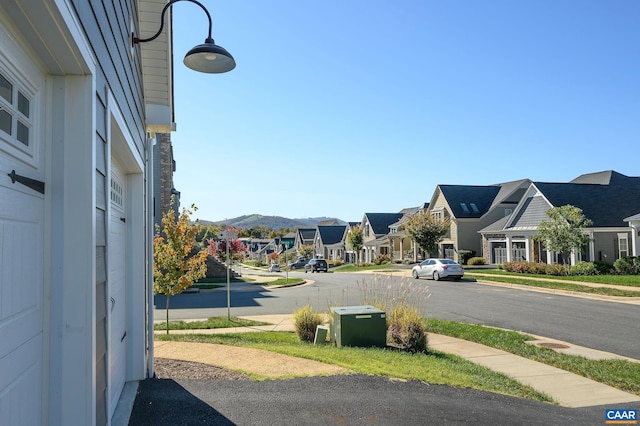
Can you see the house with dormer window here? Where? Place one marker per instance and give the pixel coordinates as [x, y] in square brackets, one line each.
[470, 208]
[609, 199]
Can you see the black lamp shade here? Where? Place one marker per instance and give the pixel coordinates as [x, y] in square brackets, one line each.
[209, 58]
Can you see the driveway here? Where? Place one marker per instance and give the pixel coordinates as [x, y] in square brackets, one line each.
[341, 400]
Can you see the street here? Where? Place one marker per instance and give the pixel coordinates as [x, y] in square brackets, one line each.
[598, 324]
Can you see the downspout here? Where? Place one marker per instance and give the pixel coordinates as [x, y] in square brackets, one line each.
[149, 231]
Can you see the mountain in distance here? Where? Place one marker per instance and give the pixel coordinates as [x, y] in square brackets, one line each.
[271, 222]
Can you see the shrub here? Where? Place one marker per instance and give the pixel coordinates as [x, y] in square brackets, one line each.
[337, 262]
[583, 268]
[602, 267]
[629, 265]
[523, 267]
[557, 269]
[406, 329]
[476, 261]
[306, 320]
[381, 258]
[465, 255]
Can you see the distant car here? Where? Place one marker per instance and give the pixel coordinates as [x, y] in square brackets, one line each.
[274, 268]
[316, 265]
[438, 269]
[298, 264]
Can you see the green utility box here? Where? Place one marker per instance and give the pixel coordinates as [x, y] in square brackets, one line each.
[363, 326]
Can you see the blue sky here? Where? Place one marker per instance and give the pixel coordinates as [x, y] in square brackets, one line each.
[340, 108]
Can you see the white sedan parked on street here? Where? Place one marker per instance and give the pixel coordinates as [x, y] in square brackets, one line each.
[438, 269]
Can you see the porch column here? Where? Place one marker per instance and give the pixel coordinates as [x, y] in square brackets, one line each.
[634, 240]
[592, 248]
[509, 254]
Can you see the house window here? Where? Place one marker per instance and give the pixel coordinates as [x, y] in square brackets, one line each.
[15, 113]
[117, 193]
[474, 208]
[366, 229]
[623, 245]
[464, 207]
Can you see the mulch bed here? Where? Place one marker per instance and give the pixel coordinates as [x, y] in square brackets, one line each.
[176, 369]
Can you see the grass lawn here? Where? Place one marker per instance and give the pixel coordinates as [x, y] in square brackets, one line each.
[625, 280]
[286, 282]
[620, 374]
[433, 367]
[558, 283]
[350, 267]
[213, 322]
[222, 280]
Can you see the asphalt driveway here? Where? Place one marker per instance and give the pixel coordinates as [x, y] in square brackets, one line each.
[341, 400]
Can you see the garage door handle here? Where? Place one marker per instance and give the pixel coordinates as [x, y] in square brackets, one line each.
[36, 185]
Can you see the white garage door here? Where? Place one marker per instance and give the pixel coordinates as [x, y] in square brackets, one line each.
[117, 287]
[21, 246]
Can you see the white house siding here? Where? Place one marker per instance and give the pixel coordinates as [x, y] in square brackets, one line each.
[58, 364]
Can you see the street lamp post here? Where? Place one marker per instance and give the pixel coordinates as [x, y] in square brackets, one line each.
[228, 276]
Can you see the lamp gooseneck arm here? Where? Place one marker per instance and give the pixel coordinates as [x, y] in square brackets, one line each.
[164, 10]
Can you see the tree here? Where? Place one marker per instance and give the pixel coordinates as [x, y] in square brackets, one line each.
[564, 233]
[355, 240]
[306, 251]
[273, 257]
[176, 261]
[426, 230]
[218, 249]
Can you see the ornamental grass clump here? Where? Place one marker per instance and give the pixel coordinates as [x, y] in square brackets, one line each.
[305, 321]
[402, 303]
[406, 328]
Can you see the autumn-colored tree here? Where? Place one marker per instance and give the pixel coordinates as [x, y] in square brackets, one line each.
[355, 240]
[218, 249]
[273, 257]
[176, 265]
[306, 251]
[426, 230]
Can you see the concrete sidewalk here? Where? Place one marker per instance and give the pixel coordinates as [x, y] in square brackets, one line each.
[568, 389]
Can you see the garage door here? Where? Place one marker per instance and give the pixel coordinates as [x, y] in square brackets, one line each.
[117, 296]
[21, 248]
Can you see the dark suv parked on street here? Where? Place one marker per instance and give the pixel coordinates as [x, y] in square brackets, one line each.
[316, 265]
[299, 263]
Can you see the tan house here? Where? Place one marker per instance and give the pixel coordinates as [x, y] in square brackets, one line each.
[403, 248]
[470, 209]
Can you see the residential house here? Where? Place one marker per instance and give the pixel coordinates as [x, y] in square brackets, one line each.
[350, 256]
[375, 230]
[330, 242]
[80, 108]
[606, 198]
[305, 237]
[470, 208]
[402, 246]
[287, 242]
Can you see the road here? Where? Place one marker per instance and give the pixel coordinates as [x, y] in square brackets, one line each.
[598, 324]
